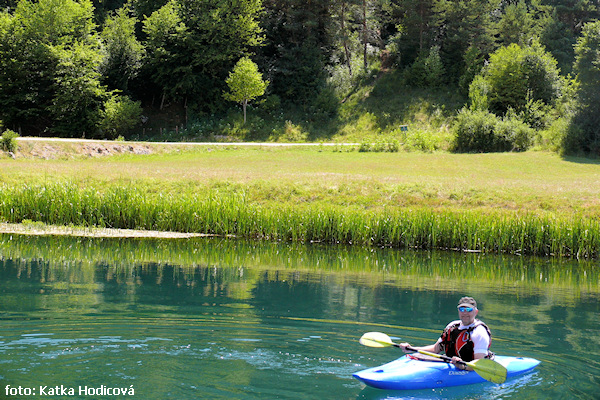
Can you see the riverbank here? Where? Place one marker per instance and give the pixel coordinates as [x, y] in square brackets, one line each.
[31, 228]
[521, 203]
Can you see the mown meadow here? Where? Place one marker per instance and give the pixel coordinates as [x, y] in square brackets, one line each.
[533, 203]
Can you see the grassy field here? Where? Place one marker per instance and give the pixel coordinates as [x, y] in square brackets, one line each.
[251, 189]
[523, 182]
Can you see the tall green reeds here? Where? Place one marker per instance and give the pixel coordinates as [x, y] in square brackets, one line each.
[226, 214]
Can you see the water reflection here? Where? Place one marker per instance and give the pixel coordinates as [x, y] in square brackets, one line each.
[80, 257]
[196, 318]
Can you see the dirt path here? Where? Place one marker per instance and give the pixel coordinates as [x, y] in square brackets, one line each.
[60, 148]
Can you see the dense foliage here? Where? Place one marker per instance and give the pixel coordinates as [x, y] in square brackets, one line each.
[64, 64]
[585, 132]
[516, 75]
[483, 131]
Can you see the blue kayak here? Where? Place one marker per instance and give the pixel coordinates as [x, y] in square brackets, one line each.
[407, 373]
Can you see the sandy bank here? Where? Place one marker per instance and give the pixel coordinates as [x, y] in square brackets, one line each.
[39, 229]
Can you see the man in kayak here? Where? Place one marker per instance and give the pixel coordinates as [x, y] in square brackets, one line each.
[466, 339]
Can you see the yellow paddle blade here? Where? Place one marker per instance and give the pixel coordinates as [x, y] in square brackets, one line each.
[489, 370]
[376, 339]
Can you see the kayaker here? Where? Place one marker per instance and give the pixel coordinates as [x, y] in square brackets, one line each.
[465, 339]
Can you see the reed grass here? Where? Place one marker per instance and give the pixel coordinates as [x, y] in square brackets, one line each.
[128, 207]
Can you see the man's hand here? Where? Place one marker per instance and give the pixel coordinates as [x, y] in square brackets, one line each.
[459, 363]
[403, 346]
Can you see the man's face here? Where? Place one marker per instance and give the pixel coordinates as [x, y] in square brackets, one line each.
[467, 314]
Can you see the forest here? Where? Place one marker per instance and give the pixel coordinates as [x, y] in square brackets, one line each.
[506, 75]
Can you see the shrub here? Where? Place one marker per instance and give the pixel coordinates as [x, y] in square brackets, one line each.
[292, 133]
[482, 131]
[479, 91]
[515, 134]
[475, 131]
[325, 104]
[474, 62]
[9, 140]
[380, 146]
[552, 138]
[120, 115]
[271, 104]
[422, 140]
[537, 114]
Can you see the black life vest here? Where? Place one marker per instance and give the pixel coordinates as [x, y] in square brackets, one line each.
[457, 342]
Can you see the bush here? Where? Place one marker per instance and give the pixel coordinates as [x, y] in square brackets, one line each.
[475, 131]
[9, 141]
[552, 138]
[292, 133]
[120, 115]
[474, 62]
[537, 114]
[482, 131]
[479, 92]
[422, 140]
[271, 104]
[380, 146]
[325, 104]
[513, 133]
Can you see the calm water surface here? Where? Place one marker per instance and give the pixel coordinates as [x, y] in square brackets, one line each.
[218, 319]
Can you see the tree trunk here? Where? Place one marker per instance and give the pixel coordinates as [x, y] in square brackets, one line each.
[185, 107]
[345, 37]
[364, 10]
[244, 104]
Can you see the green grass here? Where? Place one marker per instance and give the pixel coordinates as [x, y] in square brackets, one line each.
[532, 182]
[129, 208]
[521, 203]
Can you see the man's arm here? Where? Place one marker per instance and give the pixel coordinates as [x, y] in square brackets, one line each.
[432, 348]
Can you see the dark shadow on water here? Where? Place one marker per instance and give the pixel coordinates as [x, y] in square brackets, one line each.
[468, 392]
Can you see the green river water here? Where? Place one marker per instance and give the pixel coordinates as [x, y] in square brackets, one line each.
[221, 319]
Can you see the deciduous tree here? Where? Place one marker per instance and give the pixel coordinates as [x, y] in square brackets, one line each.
[193, 43]
[49, 57]
[516, 75]
[123, 53]
[245, 83]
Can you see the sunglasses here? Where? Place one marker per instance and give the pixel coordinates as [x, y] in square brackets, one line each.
[466, 309]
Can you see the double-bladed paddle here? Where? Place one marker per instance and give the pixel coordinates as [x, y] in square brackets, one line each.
[489, 370]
